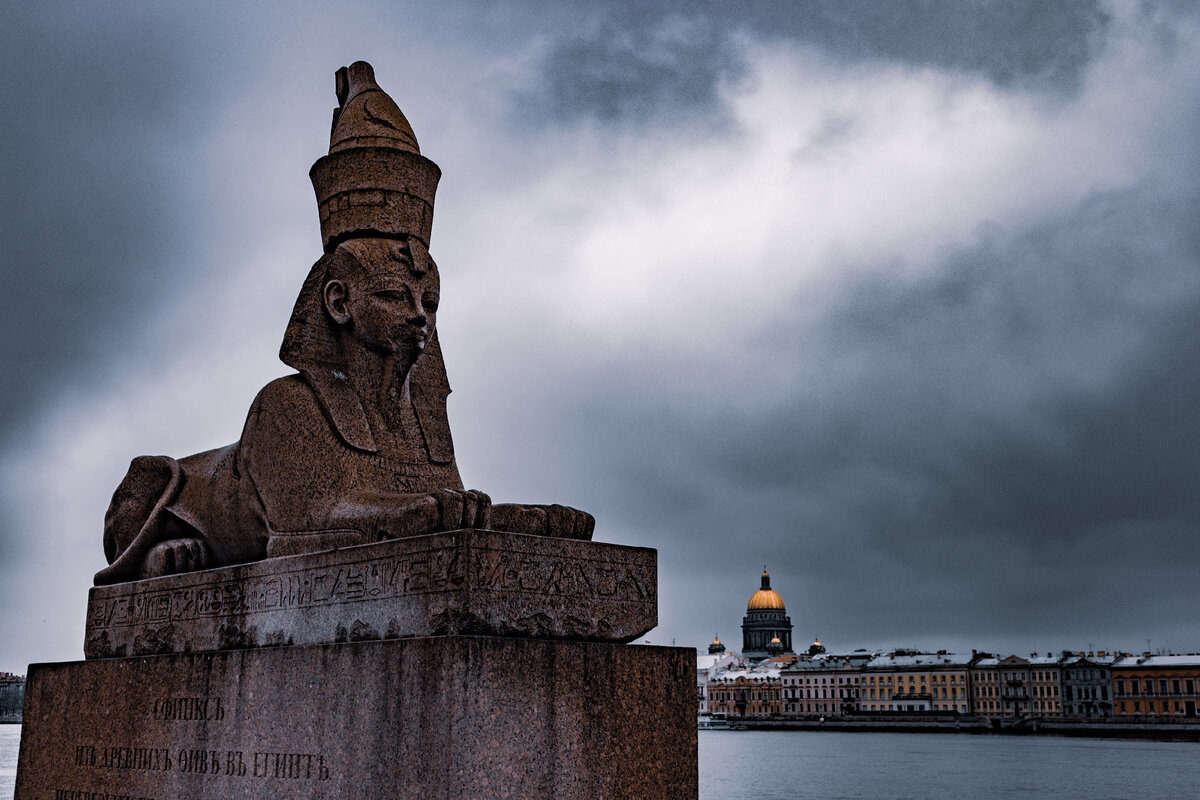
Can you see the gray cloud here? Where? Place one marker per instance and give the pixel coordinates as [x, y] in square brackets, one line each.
[96, 204]
[996, 452]
[618, 71]
[1013, 451]
[635, 61]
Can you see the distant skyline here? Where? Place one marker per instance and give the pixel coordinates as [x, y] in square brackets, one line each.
[901, 299]
[956, 642]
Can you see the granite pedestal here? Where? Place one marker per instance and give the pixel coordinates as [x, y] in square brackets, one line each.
[451, 717]
[469, 581]
[324, 676]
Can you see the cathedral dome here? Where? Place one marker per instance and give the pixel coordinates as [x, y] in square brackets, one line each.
[766, 598]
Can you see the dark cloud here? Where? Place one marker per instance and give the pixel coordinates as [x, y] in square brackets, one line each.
[97, 206]
[617, 71]
[1000, 451]
[635, 61]
[1005, 449]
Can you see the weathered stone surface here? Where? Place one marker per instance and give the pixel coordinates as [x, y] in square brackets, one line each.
[321, 609]
[461, 582]
[436, 718]
[355, 448]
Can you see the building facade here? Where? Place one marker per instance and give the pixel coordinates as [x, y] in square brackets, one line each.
[12, 695]
[752, 691]
[1163, 686]
[905, 682]
[1045, 686]
[1087, 685]
[1002, 687]
[707, 665]
[823, 685]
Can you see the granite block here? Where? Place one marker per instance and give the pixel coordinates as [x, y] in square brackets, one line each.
[436, 718]
[474, 582]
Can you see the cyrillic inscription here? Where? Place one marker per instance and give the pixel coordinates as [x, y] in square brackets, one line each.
[189, 709]
[79, 794]
[203, 761]
[141, 759]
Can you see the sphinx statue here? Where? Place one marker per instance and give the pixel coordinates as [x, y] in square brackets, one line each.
[355, 447]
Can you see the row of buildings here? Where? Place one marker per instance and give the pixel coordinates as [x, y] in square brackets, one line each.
[770, 680]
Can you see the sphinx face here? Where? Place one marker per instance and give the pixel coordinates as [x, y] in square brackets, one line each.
[392, 305]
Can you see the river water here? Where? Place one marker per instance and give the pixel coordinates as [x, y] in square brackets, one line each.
[774, 765]
[827, 765]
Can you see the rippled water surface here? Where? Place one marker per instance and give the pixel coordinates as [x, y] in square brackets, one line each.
[794, 765]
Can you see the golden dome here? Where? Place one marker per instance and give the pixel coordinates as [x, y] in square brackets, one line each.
[766, 598]
[775, 640]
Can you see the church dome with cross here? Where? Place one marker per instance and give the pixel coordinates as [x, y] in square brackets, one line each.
[766, 628]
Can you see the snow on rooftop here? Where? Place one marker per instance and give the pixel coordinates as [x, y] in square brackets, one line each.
[892, 661]
[1135, 662]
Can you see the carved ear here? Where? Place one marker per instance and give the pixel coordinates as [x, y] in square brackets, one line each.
[335, 296]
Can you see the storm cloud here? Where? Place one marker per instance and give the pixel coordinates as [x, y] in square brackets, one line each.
[899, 299]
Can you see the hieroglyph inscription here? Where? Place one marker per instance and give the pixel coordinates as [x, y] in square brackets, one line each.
[504, 571]
[443, 569]
[370, 579]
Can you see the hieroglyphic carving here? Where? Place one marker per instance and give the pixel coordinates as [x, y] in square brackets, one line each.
[495, 569]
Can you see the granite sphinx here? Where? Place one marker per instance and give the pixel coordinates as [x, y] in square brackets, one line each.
[355, 447]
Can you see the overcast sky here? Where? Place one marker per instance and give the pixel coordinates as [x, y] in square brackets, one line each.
[901, 299]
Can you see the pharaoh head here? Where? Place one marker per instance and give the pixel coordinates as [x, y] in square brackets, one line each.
[376, 289]
[382, 296]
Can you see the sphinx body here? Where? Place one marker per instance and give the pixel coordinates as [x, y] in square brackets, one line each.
[356, 446]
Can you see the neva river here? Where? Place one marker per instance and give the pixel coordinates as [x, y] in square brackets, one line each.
[790, 765]
[823, 765]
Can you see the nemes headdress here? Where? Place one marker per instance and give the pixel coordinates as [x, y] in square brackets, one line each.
[374, 184]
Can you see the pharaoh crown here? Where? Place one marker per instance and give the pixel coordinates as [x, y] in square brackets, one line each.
[374, 182]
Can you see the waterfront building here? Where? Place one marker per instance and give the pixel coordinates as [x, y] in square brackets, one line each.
[823, 685]
[907, 682]
[12, 695]
[745, 691]
[985, 686]
[1087, 684]
[707, 665]
[1156, 686]
[1045, 684]
[1005, 686]
[766, 620]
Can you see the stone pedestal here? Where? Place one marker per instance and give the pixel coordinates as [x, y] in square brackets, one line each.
[469, 581]
[453, 717]
[467, 664]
